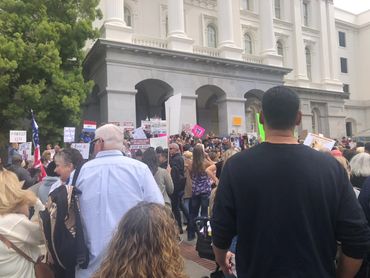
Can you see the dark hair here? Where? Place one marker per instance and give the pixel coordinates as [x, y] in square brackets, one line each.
[158, 149]
[71, 155]
[197, 167]
[367, 147]
[150, 159]
[50, 170]
[360, 144]
[138, 153]
[280, 106]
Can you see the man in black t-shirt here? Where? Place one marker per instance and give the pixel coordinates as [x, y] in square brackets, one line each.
[288, 205]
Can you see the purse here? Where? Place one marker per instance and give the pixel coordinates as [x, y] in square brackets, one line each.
[42, 270]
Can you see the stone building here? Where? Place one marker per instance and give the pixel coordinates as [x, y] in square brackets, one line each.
[221, 56]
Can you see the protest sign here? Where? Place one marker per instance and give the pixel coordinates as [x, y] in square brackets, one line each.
[139, 144]
[173, 112]
[237, 121]
[69, 134]
[139, 133]
[260, 128]
[159, 142]
[18, 136]
[25, 150]
[318, 142]
[83, 148]
[198, 131]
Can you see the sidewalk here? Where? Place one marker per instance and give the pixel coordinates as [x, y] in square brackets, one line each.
[195, 267]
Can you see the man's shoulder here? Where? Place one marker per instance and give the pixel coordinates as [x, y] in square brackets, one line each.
[113, 161]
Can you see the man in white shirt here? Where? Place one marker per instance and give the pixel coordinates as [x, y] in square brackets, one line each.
[111, 184]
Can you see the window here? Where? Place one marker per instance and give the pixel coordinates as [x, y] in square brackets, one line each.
[247, 44]
[349, 129]
[127, 16]
[342, 39]
[305, 13]
[246, 5]
[316, 124]
[343, 65]
[279, 48]
[211, 36]
[346, 88]
[278, 9]
[308, 62]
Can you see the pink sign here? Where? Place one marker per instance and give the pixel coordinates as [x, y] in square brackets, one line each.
[198, 131]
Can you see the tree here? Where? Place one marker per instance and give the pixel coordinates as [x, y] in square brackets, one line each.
[41, 53]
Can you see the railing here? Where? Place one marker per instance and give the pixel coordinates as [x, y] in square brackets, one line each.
[252, 59]
[208, 51]
[151, 42]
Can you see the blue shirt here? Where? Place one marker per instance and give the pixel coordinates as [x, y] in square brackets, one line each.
[111, 184]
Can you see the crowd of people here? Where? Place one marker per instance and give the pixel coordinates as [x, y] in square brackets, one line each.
[277, 208]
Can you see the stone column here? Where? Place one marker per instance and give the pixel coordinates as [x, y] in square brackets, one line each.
[268, 40]
[333, 46]
[324, 65]
[228, 108]
[114, 27]
[121, 106]
[299, 49]
[177, 39]
[226, 32]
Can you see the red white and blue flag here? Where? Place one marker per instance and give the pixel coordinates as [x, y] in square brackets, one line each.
[36, 155]
[89, 126]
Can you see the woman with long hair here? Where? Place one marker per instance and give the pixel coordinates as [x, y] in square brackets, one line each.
[201, 188]
[161, 176]
[16, 227]
[145, 245]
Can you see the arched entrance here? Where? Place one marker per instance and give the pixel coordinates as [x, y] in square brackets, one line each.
[208, 112]
[253, 105]
[150, 98]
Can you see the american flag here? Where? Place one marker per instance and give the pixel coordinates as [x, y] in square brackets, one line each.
[36, 154]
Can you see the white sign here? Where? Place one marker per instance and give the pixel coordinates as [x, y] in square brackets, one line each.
[18, 136]
[25, 150]
[83, 148]
[69, 134]
[159, 142]
[317, 142]
[173, 112]
[139, 133]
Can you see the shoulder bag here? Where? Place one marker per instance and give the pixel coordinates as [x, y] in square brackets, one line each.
[42, 270]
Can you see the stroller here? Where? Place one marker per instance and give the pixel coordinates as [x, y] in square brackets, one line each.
[204, 243]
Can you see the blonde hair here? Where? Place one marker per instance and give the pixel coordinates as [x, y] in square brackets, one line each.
[11, 194]
[145, 245]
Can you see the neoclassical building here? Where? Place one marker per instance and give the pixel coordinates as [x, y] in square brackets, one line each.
[221, 56]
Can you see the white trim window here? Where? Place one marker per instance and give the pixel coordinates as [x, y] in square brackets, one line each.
[248, 44]
[211, 36]
[128, 16]
[306, 13]
[277, 6]
[308, 62]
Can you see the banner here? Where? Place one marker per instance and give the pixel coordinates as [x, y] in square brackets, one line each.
[139, 144]
[317, 142]
[198, 131]
[159, 142]
[173, 112]
[83, 148]
[69, 134]
[17, 136]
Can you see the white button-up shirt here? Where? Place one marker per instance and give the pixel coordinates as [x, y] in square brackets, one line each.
[111, 184]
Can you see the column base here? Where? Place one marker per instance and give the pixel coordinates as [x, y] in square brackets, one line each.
[272, 60]
[302, 81]
[117, 31]
[231, 52]
[180, 43]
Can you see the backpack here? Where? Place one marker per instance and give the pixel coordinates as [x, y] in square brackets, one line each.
[62, 228]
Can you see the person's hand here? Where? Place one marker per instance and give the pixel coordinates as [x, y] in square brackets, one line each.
[227, 265]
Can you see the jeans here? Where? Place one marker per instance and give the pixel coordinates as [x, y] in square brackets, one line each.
[177, 204]
[197, 201]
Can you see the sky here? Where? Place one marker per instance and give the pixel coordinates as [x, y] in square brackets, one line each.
[353, 6]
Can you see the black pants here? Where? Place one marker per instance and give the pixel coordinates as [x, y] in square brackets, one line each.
[177, 204]
[197, 202]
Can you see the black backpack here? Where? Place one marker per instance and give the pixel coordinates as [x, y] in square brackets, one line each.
[62, 228]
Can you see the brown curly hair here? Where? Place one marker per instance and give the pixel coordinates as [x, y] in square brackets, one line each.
[145, 245]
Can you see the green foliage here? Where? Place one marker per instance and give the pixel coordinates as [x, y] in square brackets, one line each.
[41, 55]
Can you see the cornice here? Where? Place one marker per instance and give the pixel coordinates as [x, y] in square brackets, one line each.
[207, 4]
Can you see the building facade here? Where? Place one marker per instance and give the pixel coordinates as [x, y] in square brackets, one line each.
[221, 56]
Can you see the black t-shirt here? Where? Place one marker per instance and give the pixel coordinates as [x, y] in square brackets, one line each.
[289, 205]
